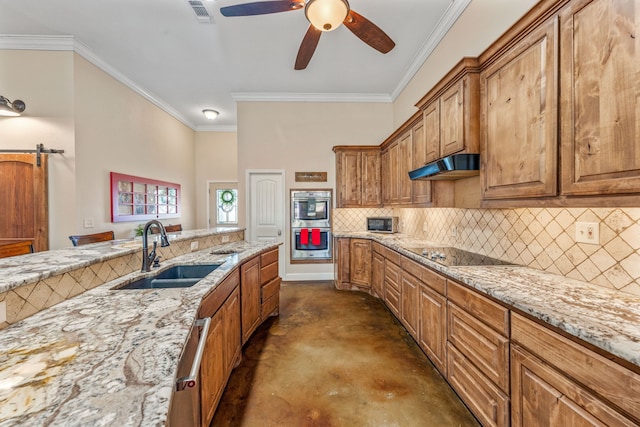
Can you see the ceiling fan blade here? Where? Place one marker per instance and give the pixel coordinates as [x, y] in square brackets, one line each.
[261, 7]
[307, 47]
[368, 32]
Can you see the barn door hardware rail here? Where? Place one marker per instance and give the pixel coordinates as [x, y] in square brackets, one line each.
[39, 150]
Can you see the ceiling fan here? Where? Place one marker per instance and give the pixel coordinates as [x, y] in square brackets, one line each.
[324, 15]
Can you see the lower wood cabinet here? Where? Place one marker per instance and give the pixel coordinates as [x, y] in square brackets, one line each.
[222, 346]
[507, 368]
[250, 297]
[392, 280]
[269, 284]
[377, 274]
[557, 382]
[360, 262]
[353, 263]
[410, 300]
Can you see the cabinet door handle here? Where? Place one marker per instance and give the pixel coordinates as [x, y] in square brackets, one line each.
[190, 381]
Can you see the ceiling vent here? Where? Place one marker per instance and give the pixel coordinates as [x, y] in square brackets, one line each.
[202, 14]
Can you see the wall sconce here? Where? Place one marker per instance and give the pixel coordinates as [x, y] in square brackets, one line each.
[210, 114]
[11, 109]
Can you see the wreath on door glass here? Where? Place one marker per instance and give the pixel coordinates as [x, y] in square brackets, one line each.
[227, 198]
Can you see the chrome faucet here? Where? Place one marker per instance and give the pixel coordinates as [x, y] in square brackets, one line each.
[147, 258]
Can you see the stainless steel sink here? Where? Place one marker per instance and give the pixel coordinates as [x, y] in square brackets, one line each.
[179, 276]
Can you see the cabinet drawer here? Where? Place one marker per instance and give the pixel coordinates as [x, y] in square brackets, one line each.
[213, 301]
[491, 313]
[392, 256]
[270, 306]
[269, 257]
[392, 276]
[484, 347]
[606, 378]
[487, 402]
[426, 275]
[268, 272]
[377, 247]
[270, 289]
[392, 298]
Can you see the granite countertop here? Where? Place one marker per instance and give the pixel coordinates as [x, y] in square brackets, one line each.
[105, 357]
[606, 318]
[21, 270]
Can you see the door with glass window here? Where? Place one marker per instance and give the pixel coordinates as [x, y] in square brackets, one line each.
[223, 204]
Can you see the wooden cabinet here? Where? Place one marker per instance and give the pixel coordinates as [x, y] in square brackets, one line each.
[393, 186]
[478, 353]
[600, 107]
[250, 296]
[421, 189]
[519, 93]
[377, 274]
[353, 258]
[405, 164]
[360, 262]
[451, 113]
[557, 382]
[269, 284]
[392, 281]
[431, 306]
[385, 186]
[222, 346]
[409, 294]
[358, 174]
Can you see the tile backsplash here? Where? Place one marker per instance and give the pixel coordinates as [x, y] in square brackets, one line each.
[541, 238]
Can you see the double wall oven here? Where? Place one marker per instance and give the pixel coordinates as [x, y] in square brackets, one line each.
[311, 225]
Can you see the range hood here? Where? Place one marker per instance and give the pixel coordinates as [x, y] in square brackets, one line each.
[456, 166]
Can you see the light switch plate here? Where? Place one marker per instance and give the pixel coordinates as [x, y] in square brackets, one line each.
[588, 232]
[194, 246]
[225, 239]
[3, 311]
[88, 223]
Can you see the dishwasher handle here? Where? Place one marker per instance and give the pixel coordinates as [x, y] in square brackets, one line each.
[191, 380]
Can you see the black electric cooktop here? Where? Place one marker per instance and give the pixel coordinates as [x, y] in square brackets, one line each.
[453, 257]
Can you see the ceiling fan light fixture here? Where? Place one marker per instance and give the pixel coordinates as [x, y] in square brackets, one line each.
[210, 114]
[326, 15]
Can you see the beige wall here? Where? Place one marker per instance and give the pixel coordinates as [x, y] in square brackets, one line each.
[298, 136]
[216, 159]
[118, 130]
[482, 22]
[103, 126]
[44, 81]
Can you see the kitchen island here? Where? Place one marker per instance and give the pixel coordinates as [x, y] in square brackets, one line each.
[107, 356]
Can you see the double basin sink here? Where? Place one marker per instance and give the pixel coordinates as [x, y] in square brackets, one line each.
[179, 276]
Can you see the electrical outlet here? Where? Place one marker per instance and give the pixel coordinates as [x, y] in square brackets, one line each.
[588, 232]
[424, 226]
[88, 223]
[3, 311]
[454, 231]
[225, 239]
[194, 246]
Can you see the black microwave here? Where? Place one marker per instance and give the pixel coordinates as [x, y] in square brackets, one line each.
[383, 224]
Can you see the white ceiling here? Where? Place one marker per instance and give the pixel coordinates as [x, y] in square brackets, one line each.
[159, 48]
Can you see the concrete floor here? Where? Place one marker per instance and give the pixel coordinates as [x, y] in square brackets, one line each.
[336, 358]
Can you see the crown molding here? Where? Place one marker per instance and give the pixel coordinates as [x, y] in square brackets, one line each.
[310, 97]
[445, 23]
[70, 43]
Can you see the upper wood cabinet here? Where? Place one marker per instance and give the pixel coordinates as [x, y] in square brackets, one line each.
[405, 164]
[358, 175]
[600, 107]
[519, 95]
[451, 114]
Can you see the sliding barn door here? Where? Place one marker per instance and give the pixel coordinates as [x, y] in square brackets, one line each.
[24, 209]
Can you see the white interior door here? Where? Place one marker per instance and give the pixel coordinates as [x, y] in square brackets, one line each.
[266, 207]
